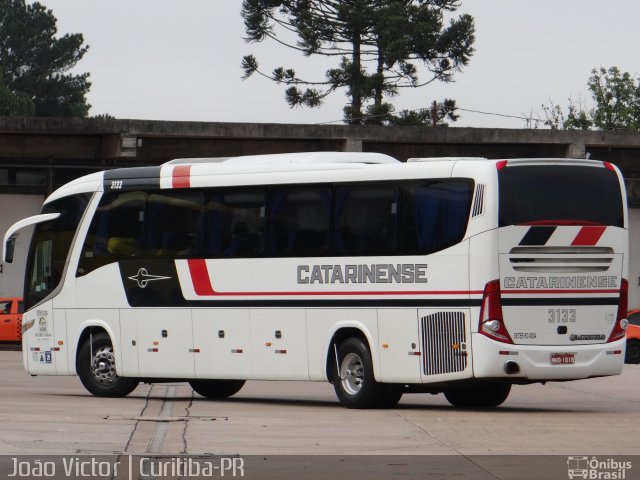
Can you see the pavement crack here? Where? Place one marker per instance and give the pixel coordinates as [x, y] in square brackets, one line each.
[448, 445]
[187, 413]
[426, 432]
[135, 427]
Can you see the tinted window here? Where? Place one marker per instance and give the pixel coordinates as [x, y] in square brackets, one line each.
[559, 194]
[434, 215]
[116, 231]
[50, 247]
[236, 224]
[299, 221]
[144, 225]
[174, 224]
[365, 220]
[20, 307]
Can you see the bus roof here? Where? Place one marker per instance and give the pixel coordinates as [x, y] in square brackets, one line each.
[305, 167]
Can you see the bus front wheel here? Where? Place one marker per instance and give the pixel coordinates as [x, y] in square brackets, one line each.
[96, 367]
[216, 388]
[487, 395]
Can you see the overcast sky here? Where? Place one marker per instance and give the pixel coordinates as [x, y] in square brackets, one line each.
[180, 60]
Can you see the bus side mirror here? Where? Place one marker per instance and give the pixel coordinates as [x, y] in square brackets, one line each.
[10, 235]
[9, 248]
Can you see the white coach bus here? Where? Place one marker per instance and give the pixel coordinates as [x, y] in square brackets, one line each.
[455, 275]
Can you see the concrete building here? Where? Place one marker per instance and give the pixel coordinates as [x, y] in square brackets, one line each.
[38, 155]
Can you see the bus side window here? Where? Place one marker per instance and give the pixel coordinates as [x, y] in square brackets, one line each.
[365, 220]
[174, 224]
[299, 221]
[116, 231]
[434, 215]
[236, 223]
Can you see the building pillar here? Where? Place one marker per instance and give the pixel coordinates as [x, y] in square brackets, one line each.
[352, 144]
[576, 150]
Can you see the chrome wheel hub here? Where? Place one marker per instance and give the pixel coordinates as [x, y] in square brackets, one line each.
[352, 373]
[103, 365]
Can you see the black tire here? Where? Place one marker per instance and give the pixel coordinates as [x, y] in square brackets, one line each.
[392, 395]
[216, 388]
[486, 395]
[98, 374]
[632, 354]
[356, 386]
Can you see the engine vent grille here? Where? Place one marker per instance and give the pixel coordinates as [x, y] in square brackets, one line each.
[444, 343]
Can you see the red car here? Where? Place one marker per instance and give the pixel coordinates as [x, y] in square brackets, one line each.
[633, 337]
[11, 310]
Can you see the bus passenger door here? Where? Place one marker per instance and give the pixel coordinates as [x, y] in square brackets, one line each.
[222, 339]
[279, 344]
[399, 346]
[164, 341]
[445, 343]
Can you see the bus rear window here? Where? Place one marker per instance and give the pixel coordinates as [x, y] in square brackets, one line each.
[559, 194]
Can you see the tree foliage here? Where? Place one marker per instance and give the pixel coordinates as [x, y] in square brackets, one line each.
[35, 64]
[616, 104]
[380, 47]
[15, 104]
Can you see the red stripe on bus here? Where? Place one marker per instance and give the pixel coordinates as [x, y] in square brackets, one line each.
[181, 176]
[200, 277]
[588, 236]
[202, 286]
[315, 294]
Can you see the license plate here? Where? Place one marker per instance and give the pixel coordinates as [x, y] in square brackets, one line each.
[563, 358]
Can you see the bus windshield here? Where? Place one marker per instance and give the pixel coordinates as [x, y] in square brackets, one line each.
[559, 195]
[50, 246]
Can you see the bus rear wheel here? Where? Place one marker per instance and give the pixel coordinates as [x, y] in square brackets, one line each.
[216, 388]
[487, 395]
[354, 382]
[96, 367]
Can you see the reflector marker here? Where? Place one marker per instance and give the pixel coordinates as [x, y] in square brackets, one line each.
[236, 350]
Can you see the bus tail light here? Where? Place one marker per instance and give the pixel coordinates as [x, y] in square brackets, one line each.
[491, 320]
[620, 327]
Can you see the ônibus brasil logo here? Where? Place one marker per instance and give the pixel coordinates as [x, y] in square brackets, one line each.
[596, 469]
